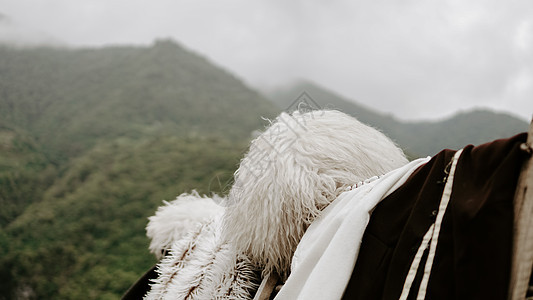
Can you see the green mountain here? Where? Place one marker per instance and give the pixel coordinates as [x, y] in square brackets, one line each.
[91, 142]
[70, 98]
[416, 138]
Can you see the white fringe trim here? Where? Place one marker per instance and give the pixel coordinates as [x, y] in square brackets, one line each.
[202, 266]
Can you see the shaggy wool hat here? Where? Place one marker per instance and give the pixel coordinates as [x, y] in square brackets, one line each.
[292, 171]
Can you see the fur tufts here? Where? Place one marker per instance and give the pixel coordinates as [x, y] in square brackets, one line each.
[173, 220]
[293, 170]
[202, 266]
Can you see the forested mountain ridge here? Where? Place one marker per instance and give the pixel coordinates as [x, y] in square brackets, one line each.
[416, 138]
[91, 142]
[69, 98]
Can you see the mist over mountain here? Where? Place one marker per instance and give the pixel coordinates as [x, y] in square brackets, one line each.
[15, 34]
[417, 138]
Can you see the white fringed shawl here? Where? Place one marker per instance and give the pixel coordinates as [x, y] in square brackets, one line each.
[325, 257]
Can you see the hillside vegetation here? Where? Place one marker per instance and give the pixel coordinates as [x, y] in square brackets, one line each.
[69, 99]
[91, 142]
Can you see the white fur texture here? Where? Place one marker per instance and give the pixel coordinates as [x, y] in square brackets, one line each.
[176, 218]
[202, 266]
[291, 172]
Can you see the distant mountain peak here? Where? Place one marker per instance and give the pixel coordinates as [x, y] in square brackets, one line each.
[166, 42]
[124, 91]
[419, 138]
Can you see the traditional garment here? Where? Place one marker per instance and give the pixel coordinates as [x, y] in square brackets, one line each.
[324, 259]
[473, 253]
[469, 258]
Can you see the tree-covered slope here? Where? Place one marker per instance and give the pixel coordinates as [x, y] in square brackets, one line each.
[69, 98]
[57, 103]
[25, 172]
[85, 239]
[91, 142]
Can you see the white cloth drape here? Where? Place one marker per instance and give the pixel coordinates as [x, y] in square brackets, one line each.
[324, 260]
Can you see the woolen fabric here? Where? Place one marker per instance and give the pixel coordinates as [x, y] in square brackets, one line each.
[473, 256]
[324, 259]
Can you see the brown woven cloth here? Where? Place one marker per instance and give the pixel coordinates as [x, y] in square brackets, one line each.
[474, 249]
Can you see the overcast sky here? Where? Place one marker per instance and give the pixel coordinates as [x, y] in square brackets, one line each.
[413, 59]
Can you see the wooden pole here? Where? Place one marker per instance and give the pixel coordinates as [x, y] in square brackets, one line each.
[522, 261]
[267, 287]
